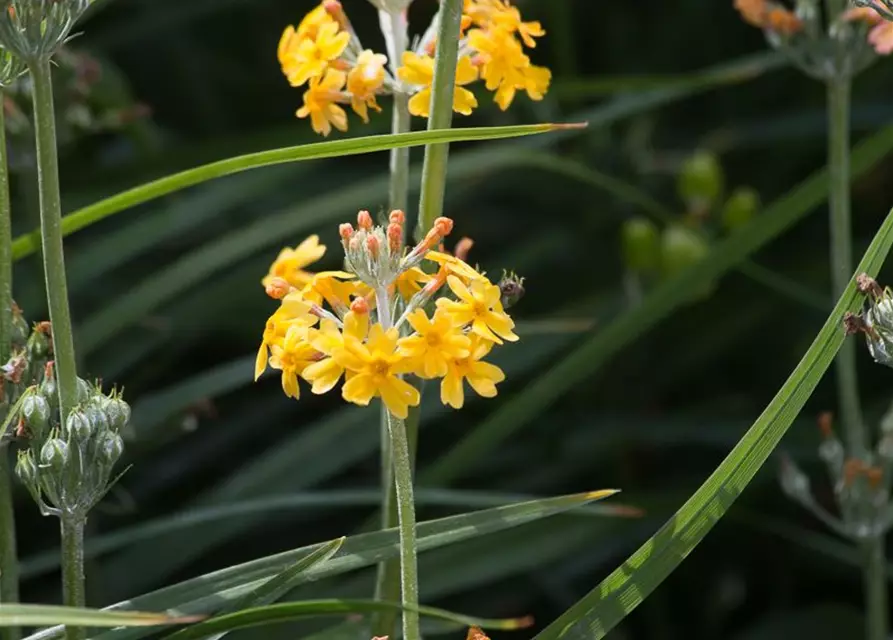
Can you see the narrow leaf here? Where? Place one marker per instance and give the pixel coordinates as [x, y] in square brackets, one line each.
[622, 591]
[31, 615]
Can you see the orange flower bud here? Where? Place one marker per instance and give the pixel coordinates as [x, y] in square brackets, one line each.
[277, 288]
[364, 220]
[360, 306]
[44, 327]
[444, 226]
[345, 231]
[463, 247]
[826, 419]
[874, 475]
[373, 246]
[783, 21]
[395, 238]
[397, 217]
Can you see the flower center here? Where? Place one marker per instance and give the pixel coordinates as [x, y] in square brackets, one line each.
[433, 339]
[380, 368]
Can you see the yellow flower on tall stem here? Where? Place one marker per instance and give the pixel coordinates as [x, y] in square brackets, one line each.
[289, 264]
[321, 103]
[436, 342]
[329, 340]
[376, 366]
[419, 71]
[309, 58]
[290, 312]
[291, 357]
[505, 68]
[479, 306]
[482, 376]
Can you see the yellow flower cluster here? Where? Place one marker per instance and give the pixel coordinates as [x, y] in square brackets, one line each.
[382, 319]
[325, 53]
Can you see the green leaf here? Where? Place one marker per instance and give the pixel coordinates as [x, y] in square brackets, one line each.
[622, 591]
[31, 615]
[291, 611]
[595, 352]
[26, 245]
[216, 590]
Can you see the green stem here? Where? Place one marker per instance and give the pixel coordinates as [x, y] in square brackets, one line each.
[847, 381]
[409, 582]
[434, 170]
[398, 192]
[9, 568]
[73, 569]
[842, 255]
[875, 588]
[51, 235]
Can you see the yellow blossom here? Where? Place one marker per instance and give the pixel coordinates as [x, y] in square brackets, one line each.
[334, 287]
[291, 357]
[289, 264]
[482, 376]
[419, 71]
[455, 266]
[329, 340]
[364, 81]
[411, 281]
[303, 59]
[435, 343]
[505, 68]
[313, 21]
[292, 311]
[479, 306]
[501, 14]
[376, 366]
[321, 103]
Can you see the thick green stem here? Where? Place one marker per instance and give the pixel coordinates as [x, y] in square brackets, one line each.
[73, 569]
[434, 170]
[398, 193]
[873, 561]
[409, 582]
[51, 235]
[875, 588]
[9, 566]
[842, 256]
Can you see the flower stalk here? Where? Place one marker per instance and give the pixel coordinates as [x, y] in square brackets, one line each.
[72, 527]
[51, 235]
[434, 169]
[9, 579]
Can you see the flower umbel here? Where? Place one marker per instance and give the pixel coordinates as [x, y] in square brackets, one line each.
[324, 53]
[377, 320]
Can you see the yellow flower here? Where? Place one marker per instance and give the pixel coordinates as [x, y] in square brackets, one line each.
[376, 366]
[502, 14]
[435, 343]
[313, 21]
[334, 287]
[479, 306]
[303, 59]
[482, 376]
[320, 103]
[330, 340]
[364, 81]
[292, 311]
[419, 70]
[505, 67]
[292, 356]
[289, 264]
[455, 266]
[411, 281]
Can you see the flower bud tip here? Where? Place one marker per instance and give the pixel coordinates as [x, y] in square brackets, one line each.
[360, 306]
[345, 231]
[364, 220]
[397, 217]
[443, 226]
[277, 288]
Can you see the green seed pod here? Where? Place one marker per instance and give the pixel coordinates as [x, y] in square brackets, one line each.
[110, 448]
[741, 206]
[701, 181]
[49, 391]
[85, 391]
[78, 426]
[680, 248]
[98, 418]
[38, 346]
[118, 413]
[641, 245]
[26, 469]
[36, 411]
[20, 328]
[54, 454]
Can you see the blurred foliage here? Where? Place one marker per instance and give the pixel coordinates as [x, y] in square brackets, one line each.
[655, 422]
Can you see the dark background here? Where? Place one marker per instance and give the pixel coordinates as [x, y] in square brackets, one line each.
[167, 303]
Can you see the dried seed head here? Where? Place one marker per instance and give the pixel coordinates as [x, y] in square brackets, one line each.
[868, 285]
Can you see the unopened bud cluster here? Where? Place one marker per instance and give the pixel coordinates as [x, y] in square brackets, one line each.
[67, 465]
[30, 349]
[34, 29]
[822, 46]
